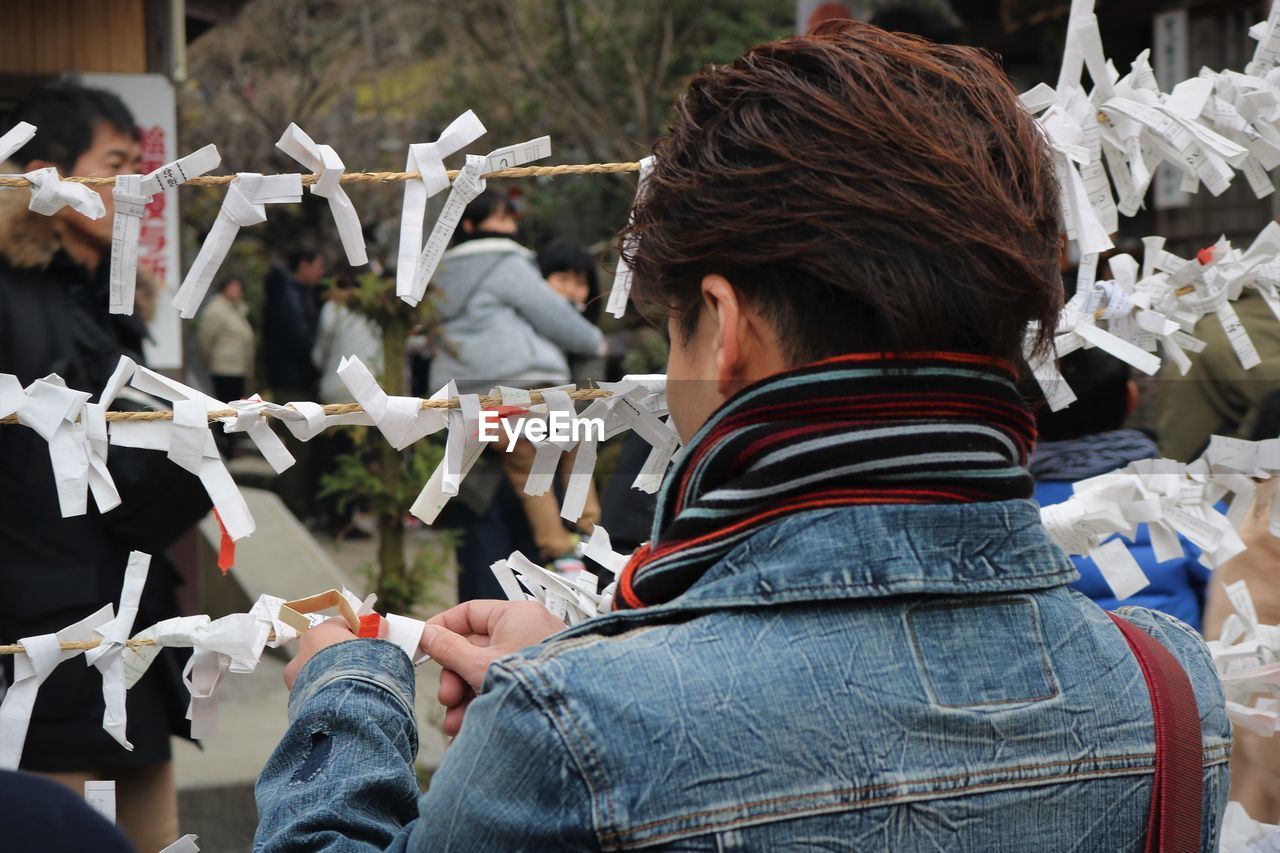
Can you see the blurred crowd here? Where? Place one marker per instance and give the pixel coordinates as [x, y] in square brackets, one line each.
[502, 314]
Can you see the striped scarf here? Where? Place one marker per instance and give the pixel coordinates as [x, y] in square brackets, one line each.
[865, 428]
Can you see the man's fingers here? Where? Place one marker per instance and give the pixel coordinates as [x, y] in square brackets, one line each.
[453, 719]
[469, 617]
[312, 641]
[453, 690]
[451, 651]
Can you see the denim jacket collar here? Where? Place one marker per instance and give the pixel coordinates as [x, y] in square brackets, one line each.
[879, 551]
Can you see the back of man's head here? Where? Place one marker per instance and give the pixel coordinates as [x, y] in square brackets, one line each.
[66, 116]
[865, 191]
[1101, 385]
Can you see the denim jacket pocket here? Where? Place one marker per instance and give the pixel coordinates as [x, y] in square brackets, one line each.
[1003, 661]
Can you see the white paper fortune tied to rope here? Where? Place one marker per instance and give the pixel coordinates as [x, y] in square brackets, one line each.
[327, 166]
[461, 450]
[131, 195]
[14, 138]
[50, 193]
[30, 669]
[108, 657]
[621, 292]
[189, 444]
[245, 204]
[427, 158]
[466, 187]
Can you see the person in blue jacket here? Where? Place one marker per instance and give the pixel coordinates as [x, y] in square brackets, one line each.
[849, 628]
[1087, 439]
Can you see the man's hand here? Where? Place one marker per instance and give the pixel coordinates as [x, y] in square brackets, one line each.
[465, 639]
[312, 641]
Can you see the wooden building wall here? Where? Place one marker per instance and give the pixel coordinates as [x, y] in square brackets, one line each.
[53, 36]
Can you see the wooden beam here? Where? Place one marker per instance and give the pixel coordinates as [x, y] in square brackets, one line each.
[91, 35]
[17, 37]
[52, 42]
[128, 37]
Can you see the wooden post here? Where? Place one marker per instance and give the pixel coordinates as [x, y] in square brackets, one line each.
[393, 584]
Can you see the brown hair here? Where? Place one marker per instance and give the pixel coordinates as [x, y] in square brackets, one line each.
[865, 190]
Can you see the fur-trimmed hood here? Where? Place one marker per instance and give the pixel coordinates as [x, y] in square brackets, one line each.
[28, 240]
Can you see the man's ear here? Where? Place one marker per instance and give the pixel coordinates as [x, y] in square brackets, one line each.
[725, 312]
[467, 226]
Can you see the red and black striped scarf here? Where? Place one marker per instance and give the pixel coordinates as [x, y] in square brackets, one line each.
[865, 428]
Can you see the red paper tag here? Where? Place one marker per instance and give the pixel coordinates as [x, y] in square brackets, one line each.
[508, 411]
[503, 413]
[1205, 256]
[226, 547]
[370, 626]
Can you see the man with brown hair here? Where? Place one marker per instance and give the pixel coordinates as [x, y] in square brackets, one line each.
[849, 629]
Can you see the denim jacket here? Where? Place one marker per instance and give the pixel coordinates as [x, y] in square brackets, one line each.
[870, 678]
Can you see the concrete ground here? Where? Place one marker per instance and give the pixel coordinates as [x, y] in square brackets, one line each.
[215, 782]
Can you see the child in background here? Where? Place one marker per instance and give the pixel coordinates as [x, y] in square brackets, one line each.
[571, 272]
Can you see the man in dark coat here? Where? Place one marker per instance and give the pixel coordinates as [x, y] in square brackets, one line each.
[288, 333]
[289, 325]
[54, 285]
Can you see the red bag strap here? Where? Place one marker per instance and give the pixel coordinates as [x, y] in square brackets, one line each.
[1177, 796]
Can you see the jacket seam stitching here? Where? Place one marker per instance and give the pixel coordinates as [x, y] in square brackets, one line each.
[867, 804]
[349, 672]
[559, 722]
[559, 645]
[952, 777]
[356, 676]
[903, 586]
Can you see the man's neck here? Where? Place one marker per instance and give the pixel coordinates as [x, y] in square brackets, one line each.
[82, 250]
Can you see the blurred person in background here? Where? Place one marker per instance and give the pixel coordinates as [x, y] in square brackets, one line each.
[290, 315]
[502, 324]
[342, 332]
[1218, 396]
[289, 323]
[1255, 758]
[571, 272]
[1088, 438]
[226, 341]
[54, 287]
[501, 321]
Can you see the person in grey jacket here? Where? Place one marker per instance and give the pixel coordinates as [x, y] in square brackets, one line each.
[501, 322]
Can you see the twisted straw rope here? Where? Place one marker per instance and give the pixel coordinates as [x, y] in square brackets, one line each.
[374, 177]
[365, 178]
[85, 645]
[82, 646]
[486, 401]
